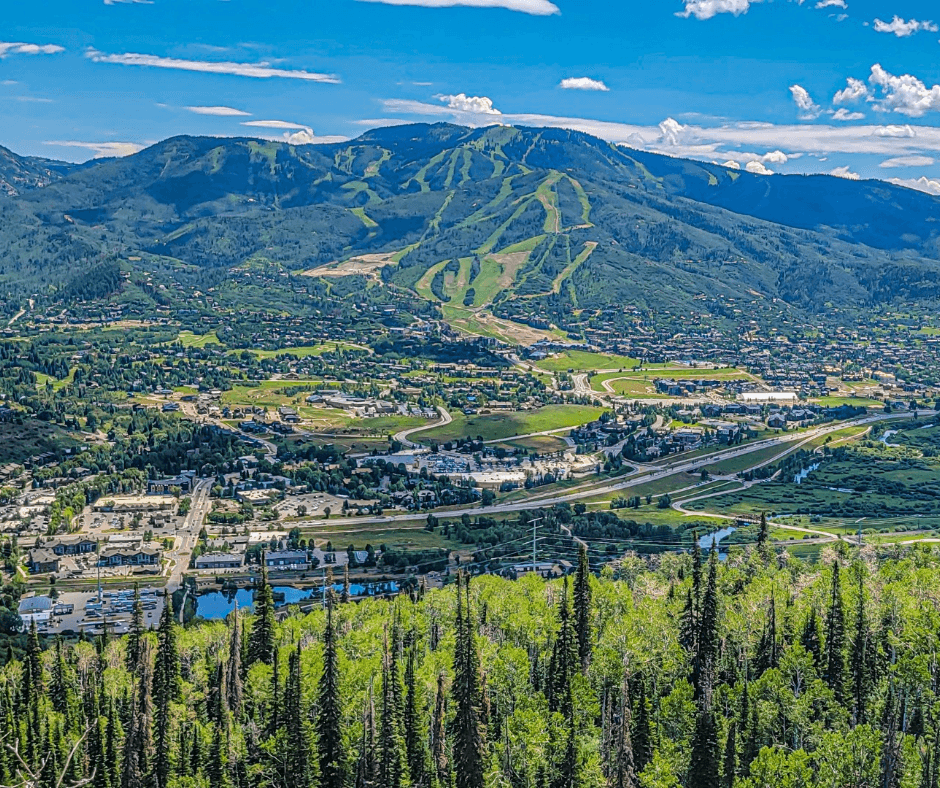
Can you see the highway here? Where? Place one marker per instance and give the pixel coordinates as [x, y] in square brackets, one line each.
[641, 476]
[188, 534]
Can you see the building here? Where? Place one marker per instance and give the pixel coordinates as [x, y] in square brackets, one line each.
[287, 559]
[41, 561]
[72, 545]
[143, 556]
[132, 503]
[165, 486]
[35, 609]
[219, 561]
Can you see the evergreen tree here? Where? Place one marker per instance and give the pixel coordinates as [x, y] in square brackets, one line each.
[261, 642]
[747, 724]
[58, 685]
[469, 736]
[136, 632]
[763, 539]
[297, 746]
[329, 713]
[810, 637]
[767, 653]
[33, 684]
[415, 742]
[366, 766]
[564, 660]
[166, 687]
[393, 757]
[582, 608]
[218, 771]
[138, 739]
[730, 763]
[642, 734]
[707, 656]
[623, 767]
[705, 768]
[234, 687]
[835, 638]
[859, 656]
[439, 758]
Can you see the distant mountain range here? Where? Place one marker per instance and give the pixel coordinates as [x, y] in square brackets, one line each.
[516, 221]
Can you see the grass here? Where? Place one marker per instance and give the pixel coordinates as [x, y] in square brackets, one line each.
[542, 444]
[747, 461]
[304, 351]
[498, 426]
[396, 535]
[189, 339]
[584, 361]
[855, 402]
[22, 441]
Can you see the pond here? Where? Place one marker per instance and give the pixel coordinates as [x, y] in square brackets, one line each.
[713, 539]
[798, 479]
[218, 604]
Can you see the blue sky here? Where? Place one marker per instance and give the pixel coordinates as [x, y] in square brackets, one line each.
[842, 86]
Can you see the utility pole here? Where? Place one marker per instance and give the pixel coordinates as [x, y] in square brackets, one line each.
[534, 540]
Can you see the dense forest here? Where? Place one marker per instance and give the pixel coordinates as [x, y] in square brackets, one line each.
[675, 671]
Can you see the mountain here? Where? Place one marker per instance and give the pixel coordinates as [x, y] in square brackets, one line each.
[527, 223]
[19, 173]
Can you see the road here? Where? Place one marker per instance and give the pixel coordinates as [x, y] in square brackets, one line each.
[404, 436]
[188, 534]
[640, 476]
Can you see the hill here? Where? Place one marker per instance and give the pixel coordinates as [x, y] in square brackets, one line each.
[542, 225]
[19, 173]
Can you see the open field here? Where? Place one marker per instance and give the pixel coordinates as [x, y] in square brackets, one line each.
[22, 441]
[189, 339]
[497, 426]
[542, 444]
[400, 535]
[304, 351]
[747, 461]
[583, 361]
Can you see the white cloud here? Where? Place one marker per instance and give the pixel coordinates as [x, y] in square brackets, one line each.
[128, 2]
[476, 105]
[20, 48]
[257, 70]
[855, 90]
[905, 94]
[832, 4]
[534, 7]
[222, 112]
[583, 83]
[775, 157]
[101, 149]
[809, 109]
[907, 161]
[731, 164]
[757, 168]
[844, 114]
[903, 28]
[923, 184]
[275, 124]
[294, 133]
[706, 9]
[671, 132]
[900, 132]
[845, 172]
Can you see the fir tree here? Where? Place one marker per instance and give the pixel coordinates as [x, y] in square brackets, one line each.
[297, 747]
[763, 539]
[564, 660]
[623, 771]
[705, 768]
[235, 692]
[835, 638]
[138, 739]
[329, 713]
[642, 734]
[859, 656]
[730, 763]
[393, 757]
[439, 734]
[469, 736]
[810, 637]
[261, 642]
[707, 655]
[136, 632]
[366, 766]
[415, 740]
[166, 687]
[767, 653]
[582, 608]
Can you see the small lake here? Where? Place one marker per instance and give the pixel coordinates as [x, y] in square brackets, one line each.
[713, 539]
[218, 604]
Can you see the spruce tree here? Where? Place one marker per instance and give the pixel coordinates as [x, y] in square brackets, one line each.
[469, 736]
[415, 741]
[623, 771]
[439, 759]
[166, 688]
[767, 649]
[707, 655]
[810, 637]
[582, 608]
[234, 686]
[859, 656]
[730, 763]
[642, 733]
[763, 539]
[835, 638]
[138, 738]
[705, 767]
[564, 659]
[329, 713]
[366, 766]
[136, 632]
[297, 746]
[393, 758]
[261, 642]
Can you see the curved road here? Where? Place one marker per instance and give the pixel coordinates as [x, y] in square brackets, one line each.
[404, 436]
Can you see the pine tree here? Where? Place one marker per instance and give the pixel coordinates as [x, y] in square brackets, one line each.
[642, 734]
[261, 642]
[58, 686]
[763, 539]
[707, 655]
[835, 638]
[138, 739]
[810, 637]
[767, 652]
[469, 735]
[623, 771]
[582, 608]
[705, 767]
[297, 746]
[439, 734]
[393, 758]
[218, 771]
[136, 632]
[234, 687]
[366, 766]
[415, 741]
[166, 688]
[329, 713]
[33, 684]
[747, 725]
[859, 656]
[564, 660]
[730, 763]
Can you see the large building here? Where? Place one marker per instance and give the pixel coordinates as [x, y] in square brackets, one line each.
[139, 556]
[219, 561]
[287, 559]
[72, 545]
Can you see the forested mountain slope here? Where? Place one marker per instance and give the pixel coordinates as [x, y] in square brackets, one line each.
[514, 220]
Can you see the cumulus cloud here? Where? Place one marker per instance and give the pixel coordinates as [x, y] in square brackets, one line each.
[808, 108]
[845, 172]
[275, 124]
[222, 112]
[855, 90]
[294, 133]
[583, 83]
[706, 9]
[731, 164]
[904, 94]
[101, 150]
[905, 132]
[844, 114]
[907, 161]
[256, 70]
[757, 168]
[923, 184]
[21, 48]
[902, 28]
[475, 105]
[832, 4]
[534, 7]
